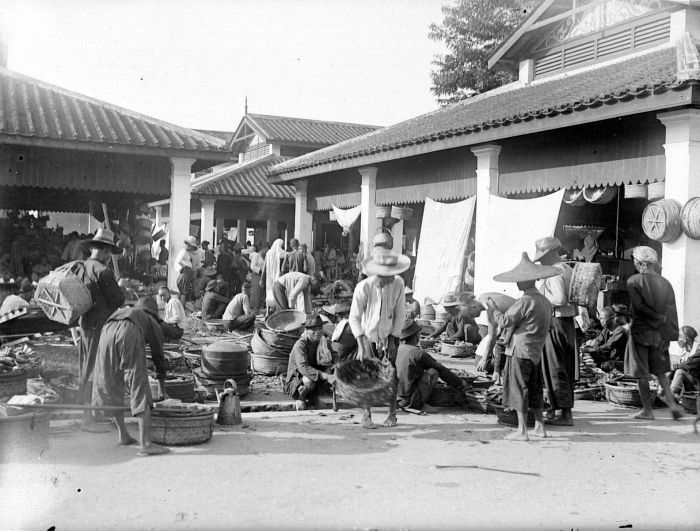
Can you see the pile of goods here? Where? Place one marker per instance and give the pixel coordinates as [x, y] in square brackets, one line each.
[272, 343]
[17, 363]
[221, 361]
[591, 378]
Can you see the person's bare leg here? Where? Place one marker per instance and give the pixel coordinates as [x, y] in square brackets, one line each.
[367, 420]
[432, 382]
[646, 413]
[147, 447]
[676, 410]
[539, 430]
[521, 432]
[125, 439]
[391, 421]
[697, 417]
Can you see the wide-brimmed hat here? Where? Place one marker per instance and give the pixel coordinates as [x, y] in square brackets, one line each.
[527, 270]
[191, 240]
[384, 262]
[148, 305]
[410, 327]
[104, 239]
[544, 245]
[314, 321]
[338, 307]
[450, 299]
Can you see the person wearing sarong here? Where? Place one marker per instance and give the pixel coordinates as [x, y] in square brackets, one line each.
[378, 311]
[121, 368]
[654, 324]
[186, 266]
[107, 296]
[559, 362]
[526, 325]
[238, 315]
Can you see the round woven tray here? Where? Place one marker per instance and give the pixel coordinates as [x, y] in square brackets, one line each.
[689, 402]
[463, 350]
[269, 365]
[286, 320]
[279, 340]
[260, 347]
[625, 393]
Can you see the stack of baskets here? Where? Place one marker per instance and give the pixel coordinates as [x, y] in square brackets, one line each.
[272, 343]
[221, 361]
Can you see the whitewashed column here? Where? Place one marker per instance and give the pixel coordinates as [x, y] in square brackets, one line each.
[179, 222]
[368, 197]
[681, 257]
[207, 221]
[486, 183]
[303, 219]
[271, 230]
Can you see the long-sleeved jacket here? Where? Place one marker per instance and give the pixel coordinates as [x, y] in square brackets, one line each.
[378, 312]
[152, 334]
[653, 305]
[106, 294]
[611, 343]
[303, 360]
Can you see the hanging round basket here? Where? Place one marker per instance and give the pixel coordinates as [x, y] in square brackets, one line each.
[636, 191]
[574, 197]
[599, 195]
[661, 220]
[656, 191]
[690, 218]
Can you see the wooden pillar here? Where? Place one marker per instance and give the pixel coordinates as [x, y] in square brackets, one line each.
[368, 218]
[242, 231]
[271, 230]
[680, 258]
[486, 183]
[207, 221]
[219, 228]
[303, 219]
[179, 222]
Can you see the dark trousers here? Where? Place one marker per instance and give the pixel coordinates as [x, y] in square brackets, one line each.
[242, 322]
[558, 363]
[280, 295]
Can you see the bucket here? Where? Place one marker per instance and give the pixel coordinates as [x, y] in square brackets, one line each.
[690, 218]
[24, 436]
[661, 220]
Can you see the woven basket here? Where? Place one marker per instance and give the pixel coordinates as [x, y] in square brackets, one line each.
[442, 396]
[212, 383]
[689, 402]
[382, 212]
[636, 191]
[398, 212]
[656, 191]
[181, 431]
[278, 340]
[13, 383]
[181, 388]
[464, 350]
[366, 383]
[661, 220]
[510, 417]
[625, 393]
[62, 294]
[599, 195]
[574, 197]
[690, 218]
[586, 280]
[261, 348]
[289, 321]
[269, 365]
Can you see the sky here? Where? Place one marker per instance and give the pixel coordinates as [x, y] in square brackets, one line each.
[193, 62]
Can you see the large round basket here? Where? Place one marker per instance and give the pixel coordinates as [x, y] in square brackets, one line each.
[270, 365]
[510, 417]
[586, 280]
[690, 218]
[13, 383]
[661, 220]
[599, 195]
[656, 191]
[278, 340]
[635, 191]
[260, 347]
[689, 401]
[625, 393]
[574, 197]
[225, 358]
[25, 435]
[286, 321]
[365, 383]
[461, 350]
[185, 430]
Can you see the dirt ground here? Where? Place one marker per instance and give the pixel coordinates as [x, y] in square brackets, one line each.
[321, 470]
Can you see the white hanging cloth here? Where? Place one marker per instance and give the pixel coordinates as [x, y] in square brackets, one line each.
[346, 217]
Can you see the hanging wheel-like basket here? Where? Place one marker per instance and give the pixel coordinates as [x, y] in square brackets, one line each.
[661, 220]
[690, 218]
[574, 197]
[636, 191]
[656, 191]
[599, 195]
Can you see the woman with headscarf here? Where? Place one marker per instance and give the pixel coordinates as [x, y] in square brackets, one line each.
[272, 270]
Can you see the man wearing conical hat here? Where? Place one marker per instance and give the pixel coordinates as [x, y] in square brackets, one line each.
[378, 311]
[559, 362]
[526, 325]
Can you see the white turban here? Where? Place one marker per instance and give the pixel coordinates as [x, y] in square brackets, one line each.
[645, 254]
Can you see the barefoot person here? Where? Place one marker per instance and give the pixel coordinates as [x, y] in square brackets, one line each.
[418, 372]
[121, 365]
[526, 325]
[654, 324]
[378, 311]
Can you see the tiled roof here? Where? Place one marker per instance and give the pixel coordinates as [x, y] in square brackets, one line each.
[301, 130]
[632, 78]
[34, 109]
[248, 180]
[226, 136]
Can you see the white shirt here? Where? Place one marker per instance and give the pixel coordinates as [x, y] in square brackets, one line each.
[256, 263]
[378, 312]
[174, 313]
[311, 262]
[239, 305]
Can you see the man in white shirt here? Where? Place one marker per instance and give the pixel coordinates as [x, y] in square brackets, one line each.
[238, 314]
[173, 314]
[293, 291]
[378, 311]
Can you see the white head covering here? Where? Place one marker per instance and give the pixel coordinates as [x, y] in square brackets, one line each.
[645, 254]
[272, 268]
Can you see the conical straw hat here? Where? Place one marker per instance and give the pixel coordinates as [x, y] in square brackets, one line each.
[527, 270]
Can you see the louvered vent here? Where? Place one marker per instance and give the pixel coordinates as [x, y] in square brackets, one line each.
[579, 54]
[548, 63]
[652, 33]
[611, 44]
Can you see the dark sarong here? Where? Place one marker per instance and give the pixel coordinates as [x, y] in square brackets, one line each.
[87, 354]
[120, 366]
[559, 363]
[647, 354]
[242, 322]
[280, 295]
[522, 384]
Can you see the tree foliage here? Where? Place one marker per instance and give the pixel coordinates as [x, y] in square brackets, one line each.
[471, 31]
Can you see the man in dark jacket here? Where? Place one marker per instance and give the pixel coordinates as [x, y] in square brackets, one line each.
[107, 296]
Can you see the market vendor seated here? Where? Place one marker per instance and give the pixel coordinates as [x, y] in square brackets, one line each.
[306, 372]
[173, 314]
[412, 305]
[342, 339]
[121, 362]
[418, 372]
[214, 302]
[460, 325]
[683, 380]
[238, 314]
[608, 348]
[204, 276]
